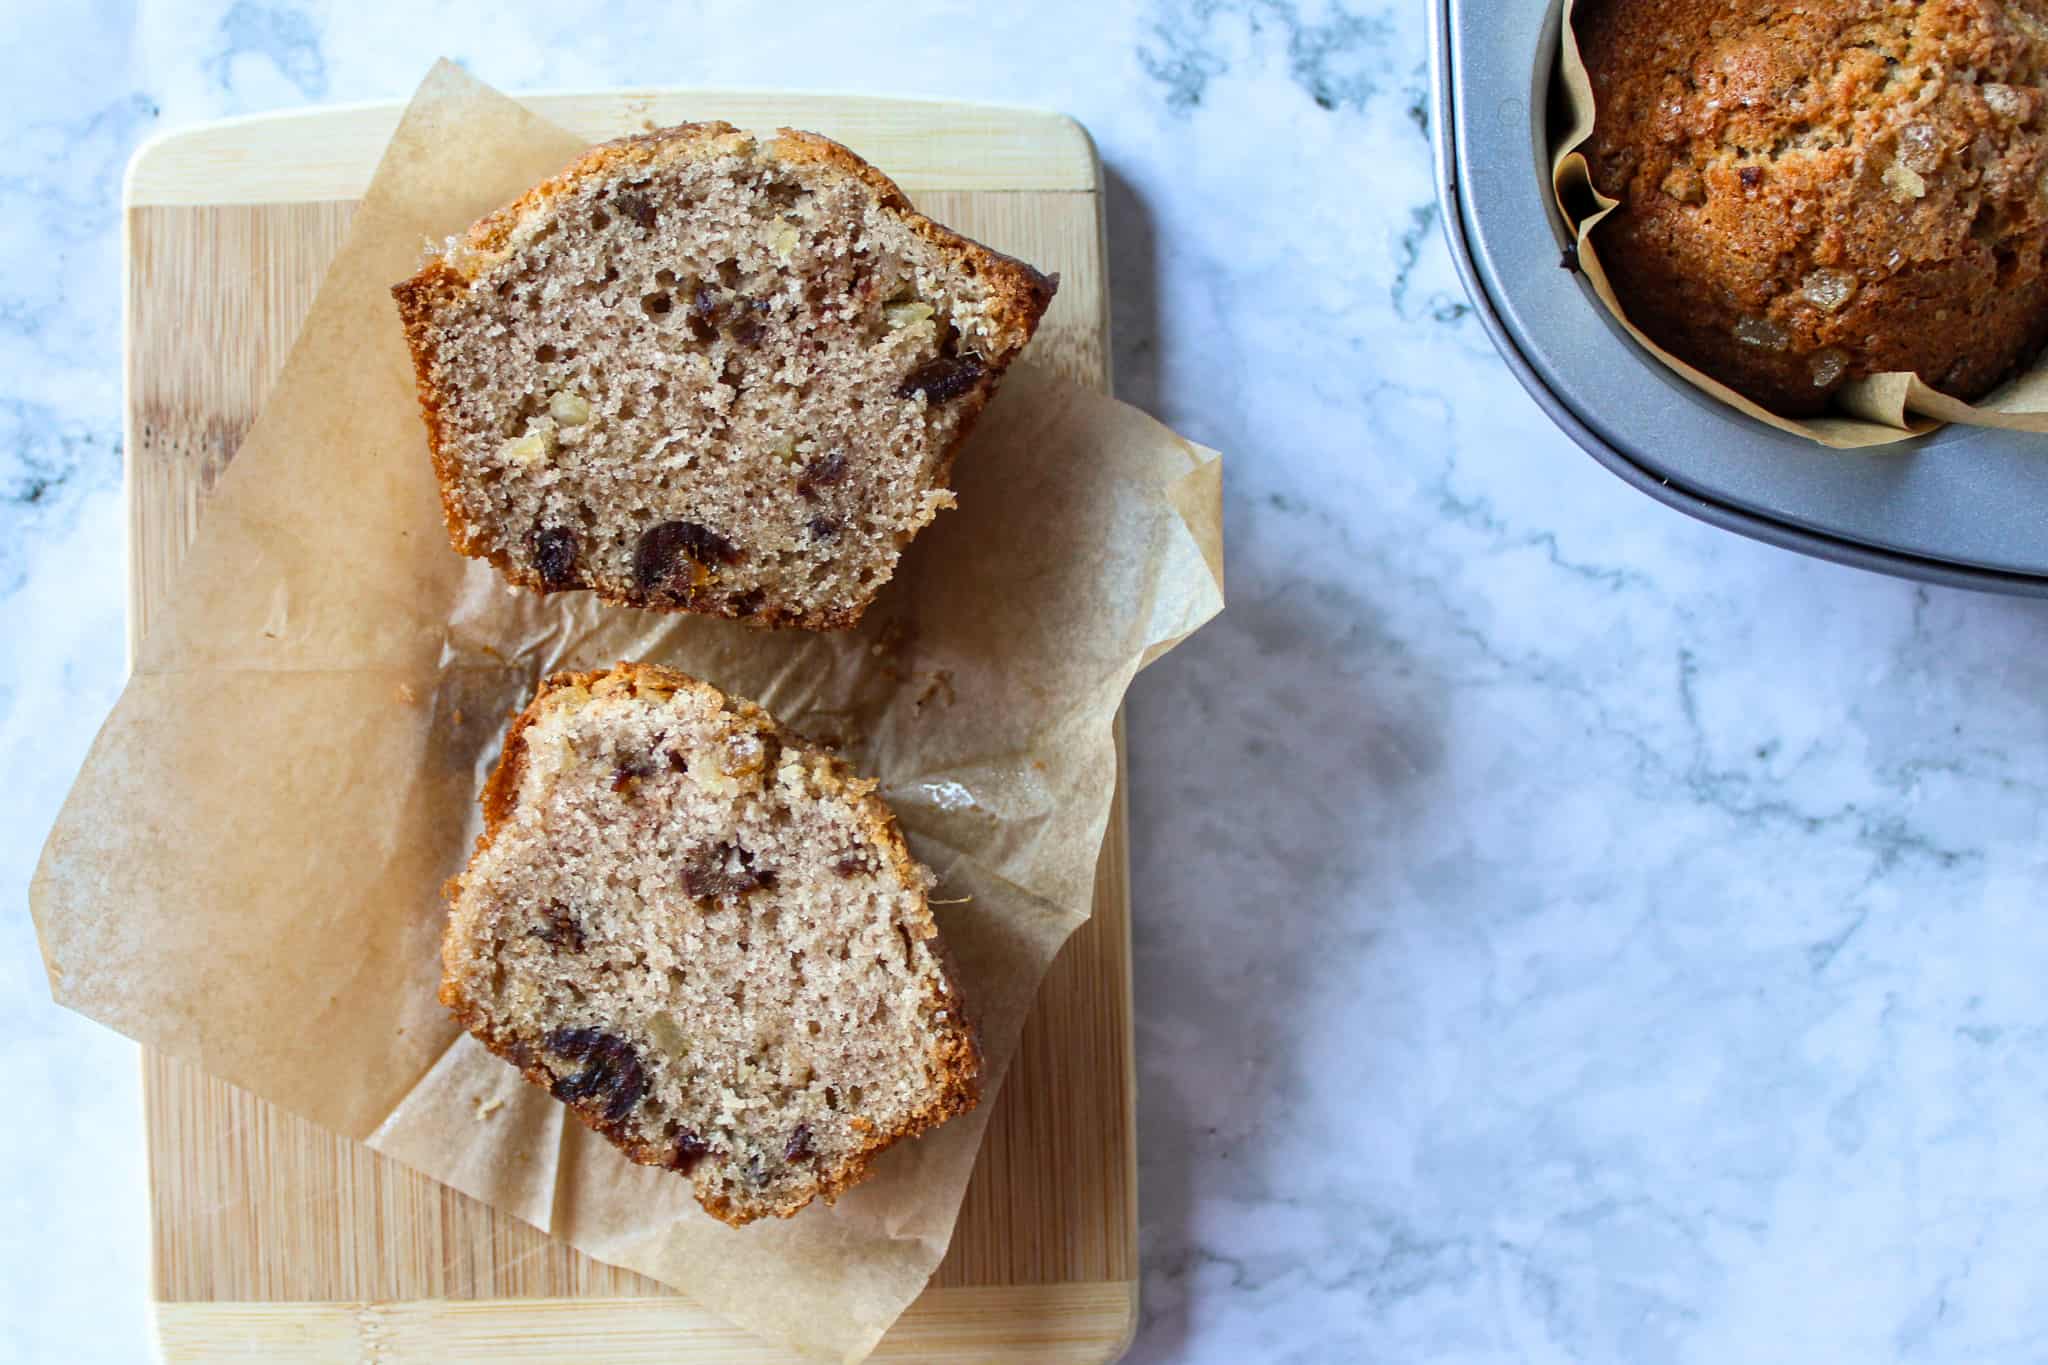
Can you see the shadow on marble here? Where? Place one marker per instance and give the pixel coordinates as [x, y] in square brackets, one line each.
[1280, 761]
[1133, 292]
[1273, 784]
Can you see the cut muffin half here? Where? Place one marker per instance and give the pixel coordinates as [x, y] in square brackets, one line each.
[697, 371]
[706, 937]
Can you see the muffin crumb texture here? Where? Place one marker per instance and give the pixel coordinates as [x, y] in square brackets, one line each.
[1815, 193]
[707, 938]
[701, 372]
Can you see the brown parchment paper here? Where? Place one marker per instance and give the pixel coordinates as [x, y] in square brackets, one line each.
[1875, 410]
[247, 871]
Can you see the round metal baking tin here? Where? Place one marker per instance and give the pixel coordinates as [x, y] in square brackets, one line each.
[1966, 506]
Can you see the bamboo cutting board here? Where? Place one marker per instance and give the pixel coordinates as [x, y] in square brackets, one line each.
[276, 1240]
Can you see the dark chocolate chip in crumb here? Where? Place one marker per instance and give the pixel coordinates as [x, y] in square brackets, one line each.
[823, 528]
[627, 1092]
[798, 1148]
[823, 472]
[1751, 176]
[746, 603]
[575, 1042]
[554, 555]
[722, 870]
[941, 379]
[611, 1073]
[558, 927]
[635, 207]
[690, 1149]
[629, 771]
[850, 865]
[654, 558]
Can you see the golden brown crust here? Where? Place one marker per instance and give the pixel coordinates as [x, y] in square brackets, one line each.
[417, 298]
[1814, 193]
[1020, 295]
[956, 1052]
[487, 240]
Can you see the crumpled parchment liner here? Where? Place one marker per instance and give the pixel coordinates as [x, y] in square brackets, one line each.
[247, 872]
[1876, 410]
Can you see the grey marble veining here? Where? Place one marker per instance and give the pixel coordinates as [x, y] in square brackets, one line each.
[1565, 932]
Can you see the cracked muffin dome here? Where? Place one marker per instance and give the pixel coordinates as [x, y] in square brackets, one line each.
[700, 372]
[1815, 193]
[707, 938]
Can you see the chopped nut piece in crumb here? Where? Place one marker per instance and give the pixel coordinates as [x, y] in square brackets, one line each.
[1683, 183]
[901, 315]
[1905, 182]
[531, 448]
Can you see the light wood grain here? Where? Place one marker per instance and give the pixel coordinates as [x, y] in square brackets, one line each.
[1028, 1325]
[282, 1241]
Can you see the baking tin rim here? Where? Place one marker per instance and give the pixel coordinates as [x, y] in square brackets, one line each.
[1783, 534]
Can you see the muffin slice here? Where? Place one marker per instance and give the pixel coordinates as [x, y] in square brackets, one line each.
[706, 937]
[700, 372]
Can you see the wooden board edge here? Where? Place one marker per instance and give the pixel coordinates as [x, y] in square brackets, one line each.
[1053, 1323]
[1116, 840]
[329, 152]
[1116, 844]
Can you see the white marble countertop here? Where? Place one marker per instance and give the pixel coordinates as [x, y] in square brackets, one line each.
[1565, 932]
